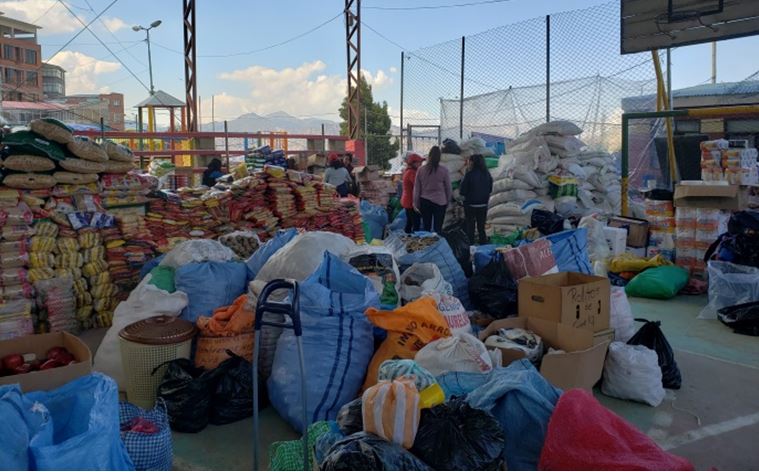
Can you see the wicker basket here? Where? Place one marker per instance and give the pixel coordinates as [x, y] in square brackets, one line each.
[211, 351]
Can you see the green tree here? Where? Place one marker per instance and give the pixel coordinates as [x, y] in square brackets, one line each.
[381, 146]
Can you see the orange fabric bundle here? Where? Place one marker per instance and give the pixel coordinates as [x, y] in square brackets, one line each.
[228, 320]
[390, 410]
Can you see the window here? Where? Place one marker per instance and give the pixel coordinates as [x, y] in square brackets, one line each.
[31, 56]
[10, 75]
[9, 52]
[31, 78]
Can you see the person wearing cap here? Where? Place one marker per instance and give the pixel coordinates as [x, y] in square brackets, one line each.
[413, 161]
[432, 192]
[336, 174]
[475, 189]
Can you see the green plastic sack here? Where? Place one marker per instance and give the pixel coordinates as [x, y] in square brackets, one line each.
[287, 455]
[492, 162]
[163, 278]
[28, 142]
[661, 283]
[506, 240]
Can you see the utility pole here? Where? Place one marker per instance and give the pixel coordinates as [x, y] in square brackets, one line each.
[366, 136]
[714, 62]
[138, 28]
[353, 48]
[213, 113]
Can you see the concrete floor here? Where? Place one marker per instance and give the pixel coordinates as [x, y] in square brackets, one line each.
[713, 420]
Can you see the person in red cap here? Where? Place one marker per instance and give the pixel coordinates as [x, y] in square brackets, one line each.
[413, 221]
[336, 174]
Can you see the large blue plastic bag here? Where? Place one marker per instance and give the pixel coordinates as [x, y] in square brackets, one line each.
[268, 249]
[483, 255]
[84, 430]
[440, 254]
[21, 420]
[399, 223]
[210, 285]
[337, 344]
[375, 218]
[570, 249]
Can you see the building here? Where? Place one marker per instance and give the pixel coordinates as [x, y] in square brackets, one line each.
[20, 61]
[91, 107]
[53, 81]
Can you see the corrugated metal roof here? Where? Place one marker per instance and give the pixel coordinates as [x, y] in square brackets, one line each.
[161, 99]
[748, 87]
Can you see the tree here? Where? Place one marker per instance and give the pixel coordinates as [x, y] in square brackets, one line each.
[381, 145]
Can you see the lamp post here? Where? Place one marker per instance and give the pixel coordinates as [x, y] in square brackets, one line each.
[138, 28]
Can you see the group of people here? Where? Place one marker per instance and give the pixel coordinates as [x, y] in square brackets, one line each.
[340, 174]
[427, 191]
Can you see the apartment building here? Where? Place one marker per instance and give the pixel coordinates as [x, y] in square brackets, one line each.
[20, 61]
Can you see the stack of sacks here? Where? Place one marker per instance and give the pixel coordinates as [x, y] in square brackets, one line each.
[29, 159]
[737, 165]
[711, 159]
[121, 189]
[326, 195]
[661, 218]
[305, 198]
[279, 194]
[69, 260]
[56, 304]
[15, 312]
[41, 262]
[119, 271]
[95, 268]
[599, 187]
[376, 191]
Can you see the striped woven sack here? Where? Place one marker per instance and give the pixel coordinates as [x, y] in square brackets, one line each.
[391, 410]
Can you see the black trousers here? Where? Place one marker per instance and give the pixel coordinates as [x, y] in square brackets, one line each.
[432, 216]
[413, 222]
[472, 216]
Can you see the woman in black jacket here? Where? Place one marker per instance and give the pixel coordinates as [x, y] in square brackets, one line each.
[475, 189]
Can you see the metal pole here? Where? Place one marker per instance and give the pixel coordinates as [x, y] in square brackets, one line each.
[213, 113]
[226, 143]
[714, 62]
[400, 146]
[625, 164]
[150, 63]
[548, 68]
[199, 115]
[669, 79]
[102, 129]
[366, 137]
[408, 137]
[461, 89]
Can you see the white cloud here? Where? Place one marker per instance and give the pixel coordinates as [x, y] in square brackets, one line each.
[378, 79]
[115, 24]
[51, 16]
[393, 70]
[82, 71]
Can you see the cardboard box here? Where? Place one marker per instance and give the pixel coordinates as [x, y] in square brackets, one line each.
[581, 364]
[616, 238]
[637, 229]
[39, 344]
[701, 194]
[573, 299]
[366, 173]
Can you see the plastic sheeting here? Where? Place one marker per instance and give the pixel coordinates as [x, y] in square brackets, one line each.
[375, 218]
[337, 344]
[210, 285]
[268, 249]
[197, 250]
[729, 284]
[570, 249]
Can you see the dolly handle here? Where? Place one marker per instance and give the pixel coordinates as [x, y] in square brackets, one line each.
[291, 309]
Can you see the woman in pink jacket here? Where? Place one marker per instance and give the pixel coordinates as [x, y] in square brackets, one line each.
[432, 192]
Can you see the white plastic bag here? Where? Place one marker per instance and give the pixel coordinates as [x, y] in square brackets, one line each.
[378, 264]
[453, 312]
[145, 301]
[633, 373]
[729, 284]
[598, 247]
[301, 256]
[197, 250]
[458, 353]
[621, 315]
[423, 277]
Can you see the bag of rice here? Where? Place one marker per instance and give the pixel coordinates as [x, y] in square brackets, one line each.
[29, 181]
[53, 130]
[118, 152]
[115, 167]
[28, 163]
[81, 166]
[88, 150]
[75, 178]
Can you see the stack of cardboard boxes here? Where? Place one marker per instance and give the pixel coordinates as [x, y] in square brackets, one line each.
[373, 187]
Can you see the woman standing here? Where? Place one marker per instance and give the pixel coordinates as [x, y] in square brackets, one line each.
[475, 188]
[413, 161]
[432, 192]
[212, 172]
[338, 176]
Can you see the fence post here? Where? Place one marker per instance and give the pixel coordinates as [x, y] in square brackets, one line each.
[408, 137]
[403, 56]
[461, 90]
[226, 143]
[548, 68]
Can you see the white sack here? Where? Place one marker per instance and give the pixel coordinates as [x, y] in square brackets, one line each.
[197, 250]
[633, 373]
[302, 255]
[459, 353]
[423, 277]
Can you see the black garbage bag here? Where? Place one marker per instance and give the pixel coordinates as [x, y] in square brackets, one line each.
[186, 389]
[450, 147]
[455, 235]
[350, 418]
[651, 336]
[740, 245]
[365, 451]
[493, 290]
[455, 436]
[232, 398]
[547, 222]
[743, 318]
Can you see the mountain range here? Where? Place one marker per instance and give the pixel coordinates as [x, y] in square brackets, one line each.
[277, 121]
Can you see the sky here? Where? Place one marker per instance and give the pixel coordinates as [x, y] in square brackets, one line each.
[240, 64]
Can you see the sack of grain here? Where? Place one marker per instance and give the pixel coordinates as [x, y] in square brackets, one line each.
[81, 166]
[86, 149]
[53, 130]
[118, 152]
[28, 163]
[115, 167]
[75, 178]
[29, 181]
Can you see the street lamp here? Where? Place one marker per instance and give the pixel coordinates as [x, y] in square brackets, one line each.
[138, 28]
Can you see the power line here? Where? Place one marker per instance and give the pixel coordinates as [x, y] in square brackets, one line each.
[114, 36]
[81, 30]
[437, 7]
[86, 26]
[266, 48]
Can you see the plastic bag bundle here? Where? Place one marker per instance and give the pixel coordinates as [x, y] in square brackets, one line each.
[519, 339]
[395, 368]
[458, 353]
[423, 278]
[632, 373]
[390, 409]
[243, 243]
[651, 336]
[378, 264]
[365, 451]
